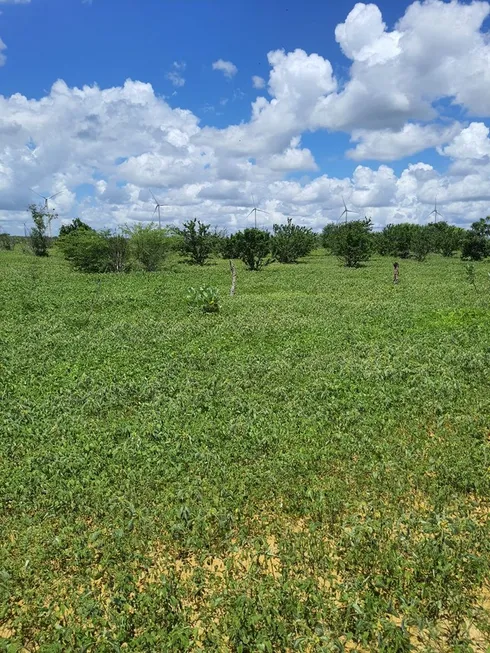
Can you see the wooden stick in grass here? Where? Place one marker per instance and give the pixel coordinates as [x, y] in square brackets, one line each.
[233, 278]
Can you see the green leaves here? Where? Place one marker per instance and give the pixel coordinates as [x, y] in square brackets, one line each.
[253, 247]
[291, 242]
[205, 298]
[352, 242]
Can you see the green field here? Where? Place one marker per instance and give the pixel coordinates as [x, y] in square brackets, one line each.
[306, 470]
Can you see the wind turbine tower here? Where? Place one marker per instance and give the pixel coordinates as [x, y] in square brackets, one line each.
[346, 211]
[435, 212]
[254, 211]
[158, 205]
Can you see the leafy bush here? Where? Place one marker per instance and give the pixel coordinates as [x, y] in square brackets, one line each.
[76, 225]
[205, 298]
[420, 243]
[6, 242]
[38, 239]
[197, 241]
[396, 240]
[290, 242]
[148, 245]
[352, 243]
[92, 251]
[474, 247]
[444, 238]
[229, 247]
[327, 236]
[253, 247]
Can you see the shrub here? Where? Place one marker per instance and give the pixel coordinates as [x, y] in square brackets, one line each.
[290, 242]
[92, 251]
[420, 243]
[6, 242]
[352, 243]
[229, 247]
[396, 240]
[327, 236]
[197, 241]
[253, 247]
[148, 245]
[76, 225]
[474, 247]
[205, 298]
[38, 239]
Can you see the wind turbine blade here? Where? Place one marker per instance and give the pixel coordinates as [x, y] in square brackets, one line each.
[253, 201]
[153, 197]
[251, 212]
[261, 211]
[343, 201]
[55, 195]
[155, 209]
[38, 194]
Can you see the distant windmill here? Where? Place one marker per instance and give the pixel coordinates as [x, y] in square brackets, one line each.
[46, 206]
[158, 205]
[435, 212]
[346, 211]
[254, 211]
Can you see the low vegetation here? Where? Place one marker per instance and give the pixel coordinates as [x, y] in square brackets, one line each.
[306, 469]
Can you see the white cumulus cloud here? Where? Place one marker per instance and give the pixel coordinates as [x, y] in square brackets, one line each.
[119, 142]
[228, 68]
[258, 82]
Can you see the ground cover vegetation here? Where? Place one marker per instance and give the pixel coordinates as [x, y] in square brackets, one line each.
[306, 468]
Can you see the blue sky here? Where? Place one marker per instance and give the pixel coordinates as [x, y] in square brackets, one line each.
[365, 101]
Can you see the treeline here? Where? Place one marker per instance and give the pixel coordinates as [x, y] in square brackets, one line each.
[145, 247]
[355, 241]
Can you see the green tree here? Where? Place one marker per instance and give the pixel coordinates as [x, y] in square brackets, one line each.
[6, 242]
[229, 247]
[482, 227]
[327, 236]
[197, 241]
[474, 246]
[148, 245]
[352, 242]
[253, 247]
[93, 251]
[444, 238]
[290, 242]
[396, 240]
[38, 239]
[420, 243]
[76, 225]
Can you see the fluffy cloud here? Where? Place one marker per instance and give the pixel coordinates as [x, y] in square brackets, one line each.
[389, 145]
[258, 82]
[104, 148]
[14, 2]
[228, 69]
[470, 143]
[397, 76]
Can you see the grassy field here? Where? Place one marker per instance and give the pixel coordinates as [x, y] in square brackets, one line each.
[307, 470]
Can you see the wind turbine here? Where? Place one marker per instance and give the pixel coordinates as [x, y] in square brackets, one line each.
[346, 211]
[46, 205]
[46, 199]
[435, 212]
[254, 211]
[157, 208]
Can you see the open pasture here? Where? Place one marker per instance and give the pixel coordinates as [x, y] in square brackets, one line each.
[306, 470]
